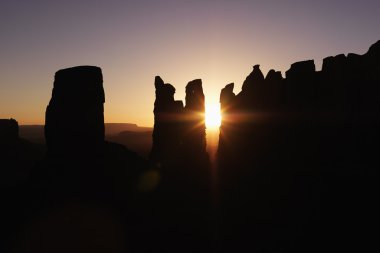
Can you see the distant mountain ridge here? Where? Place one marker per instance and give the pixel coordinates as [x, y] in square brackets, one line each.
[36, 132]
[116, 128]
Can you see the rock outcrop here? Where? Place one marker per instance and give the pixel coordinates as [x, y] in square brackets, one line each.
[179, 157]
[78, 158]
[8, 130]
[336, 105]
[167, 131]
[179, 132]
[74, 117]
[17, 155]
[195, 130]
[9, 141]
[291, 146]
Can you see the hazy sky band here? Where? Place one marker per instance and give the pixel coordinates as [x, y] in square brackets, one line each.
[132, 41]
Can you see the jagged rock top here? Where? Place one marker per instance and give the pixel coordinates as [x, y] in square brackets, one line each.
[194, 95]
[160, 85]
[164, 92]
[195, 85]
[254, 78]
[229, 88]
[227, 93]
[300, 69]
[158, 82]
[374, 49]
[332, 63]
[273, 75]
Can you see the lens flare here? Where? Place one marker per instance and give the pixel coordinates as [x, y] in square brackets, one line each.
[213, 117]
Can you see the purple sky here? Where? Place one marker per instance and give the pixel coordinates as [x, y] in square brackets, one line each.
[132, 41]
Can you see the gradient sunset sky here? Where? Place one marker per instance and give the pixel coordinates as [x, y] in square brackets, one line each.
[133, 41]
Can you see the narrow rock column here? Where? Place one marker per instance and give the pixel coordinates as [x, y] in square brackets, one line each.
[195, 129]
[167, 124]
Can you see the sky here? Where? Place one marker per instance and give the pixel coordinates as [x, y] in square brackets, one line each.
[133, 41]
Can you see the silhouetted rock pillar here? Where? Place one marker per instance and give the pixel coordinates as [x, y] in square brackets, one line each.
[167, 124]
[74, 123]
[195, 129]
[227, 99]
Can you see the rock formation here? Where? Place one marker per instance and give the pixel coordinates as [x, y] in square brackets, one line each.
[74, 117]
[248, 99]
[291, 146]
[74, 132]
[179, 132]
[17, 155]
[337, 105]
[179, 156]
[167, 131]
[8, 130]
[226, 96]
[195, 129]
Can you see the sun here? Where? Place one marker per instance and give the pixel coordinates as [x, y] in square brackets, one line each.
[213, 117]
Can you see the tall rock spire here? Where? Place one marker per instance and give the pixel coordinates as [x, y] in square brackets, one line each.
[74, 122]
[195, 132]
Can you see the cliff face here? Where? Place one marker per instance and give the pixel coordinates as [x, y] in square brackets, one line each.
[320, 115]
[179, 132]
[74, 121]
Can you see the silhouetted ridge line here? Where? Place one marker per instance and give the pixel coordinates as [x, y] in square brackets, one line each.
[297, 156]
[343, 95]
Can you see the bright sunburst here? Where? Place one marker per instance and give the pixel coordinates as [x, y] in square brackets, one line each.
[213, 117]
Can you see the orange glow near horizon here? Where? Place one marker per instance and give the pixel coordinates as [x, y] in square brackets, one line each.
[213, 117]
